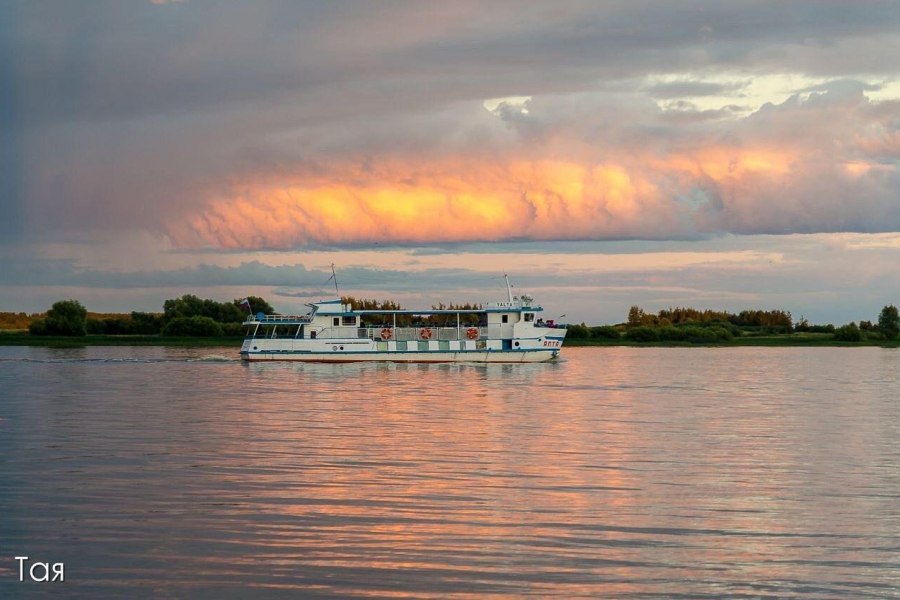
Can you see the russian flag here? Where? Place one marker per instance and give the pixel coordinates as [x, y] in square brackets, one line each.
[245, 303]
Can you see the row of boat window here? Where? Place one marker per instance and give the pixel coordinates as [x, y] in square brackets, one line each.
[423, 346]
[352, 321]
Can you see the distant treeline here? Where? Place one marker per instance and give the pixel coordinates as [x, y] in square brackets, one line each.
[22, 320]
[705, 326]
[773, 319]
[185, 316]
[11, 320]
[195, 317]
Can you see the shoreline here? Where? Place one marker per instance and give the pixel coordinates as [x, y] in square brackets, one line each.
[795, 341]
[20, 339]
[760, 341]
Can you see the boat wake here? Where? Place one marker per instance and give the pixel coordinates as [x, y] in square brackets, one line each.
[215, 358]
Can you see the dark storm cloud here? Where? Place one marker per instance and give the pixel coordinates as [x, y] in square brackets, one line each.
[101, 60]
[10, 130]
[64, 272]
[155, 115]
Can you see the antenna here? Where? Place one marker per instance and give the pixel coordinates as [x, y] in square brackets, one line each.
[334, 276]
[508, 289]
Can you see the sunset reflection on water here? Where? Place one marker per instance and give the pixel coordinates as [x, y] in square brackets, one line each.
[616, 472]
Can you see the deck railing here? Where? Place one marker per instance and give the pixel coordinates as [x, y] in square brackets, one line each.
[404, 334]
[272, 319]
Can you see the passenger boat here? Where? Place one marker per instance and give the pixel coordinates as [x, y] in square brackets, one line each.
[500, 332]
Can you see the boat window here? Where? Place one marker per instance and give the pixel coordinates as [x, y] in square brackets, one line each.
[349, 321]
[506, 318]
[529, 317]
[401, 345]
[336, 321]
[312, 335]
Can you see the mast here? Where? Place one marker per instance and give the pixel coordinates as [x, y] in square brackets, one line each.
[334, 276]
[508, 288]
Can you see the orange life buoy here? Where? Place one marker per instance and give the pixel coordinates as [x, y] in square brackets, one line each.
[472, 333]
[386, 334]
[425, 334]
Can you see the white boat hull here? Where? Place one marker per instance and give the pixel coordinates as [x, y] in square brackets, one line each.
[493, 356]
[505, 333]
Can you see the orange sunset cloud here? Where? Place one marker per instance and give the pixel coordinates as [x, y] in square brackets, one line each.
[472, 202]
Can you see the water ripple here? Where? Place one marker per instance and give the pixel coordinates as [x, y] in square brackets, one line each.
[617, 473]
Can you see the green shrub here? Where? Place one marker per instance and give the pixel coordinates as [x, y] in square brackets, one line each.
[605, 332]
[848, 333]
[142, 323]
[643, 334]
[577, 332]
[38, 327]
[722, 334]
[95, 327]
[731, 328]
[699, 335]
[66, 317]
[116, 326]
[192, 327]
[234, 329]
[820, 329]
[766, 329]
[673, 334]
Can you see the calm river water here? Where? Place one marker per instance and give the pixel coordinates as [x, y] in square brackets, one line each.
[617, 473]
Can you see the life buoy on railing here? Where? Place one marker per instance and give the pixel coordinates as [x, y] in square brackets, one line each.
[425, 334]
[472, 333]
[386, 333]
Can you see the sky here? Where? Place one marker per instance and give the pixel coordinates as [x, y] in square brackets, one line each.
[604, 154]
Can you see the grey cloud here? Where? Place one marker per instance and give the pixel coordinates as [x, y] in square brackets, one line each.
[690, 89]
[63, 272]
[134, 114]
[116, 60]
[826, 279]
[11, 134]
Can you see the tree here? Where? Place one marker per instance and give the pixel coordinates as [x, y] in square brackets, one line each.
[195, 326]
[192, 306]
[848, 333]
[635, 316]
[257, 305]
[643, 334]
[606, 332]
[889, 322]
[578, 332]
[66, 317]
